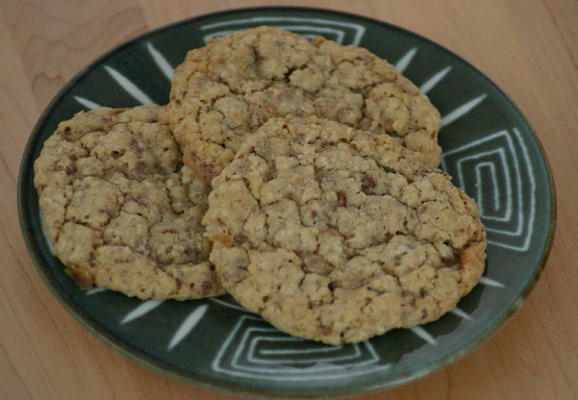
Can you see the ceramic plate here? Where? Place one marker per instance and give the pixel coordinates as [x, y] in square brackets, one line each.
[489, 149]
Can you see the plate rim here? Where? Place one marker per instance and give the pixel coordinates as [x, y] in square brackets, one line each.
[167, 371]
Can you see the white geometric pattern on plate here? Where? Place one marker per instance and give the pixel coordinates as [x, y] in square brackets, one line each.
[338, 31]
[405, 60]
[507, 206]
[128, 86]
[251, 351]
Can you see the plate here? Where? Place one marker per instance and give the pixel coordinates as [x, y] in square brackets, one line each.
[489, 149]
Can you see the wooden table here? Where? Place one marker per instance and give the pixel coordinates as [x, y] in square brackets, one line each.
[528, 47]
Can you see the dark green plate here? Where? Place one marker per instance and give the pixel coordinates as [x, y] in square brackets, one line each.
[216, 344]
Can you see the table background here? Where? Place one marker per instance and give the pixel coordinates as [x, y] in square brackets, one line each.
[528, 47]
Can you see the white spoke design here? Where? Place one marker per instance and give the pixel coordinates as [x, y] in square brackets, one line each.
[434, 80]
[95, 291]
[462, 110]
[490, 282]
[187, 326]
[461, 313]
[422, 333]
[91, 105]
[404, 61]
[229, 305]
[161, 61]
[128, 86]
[141, 310]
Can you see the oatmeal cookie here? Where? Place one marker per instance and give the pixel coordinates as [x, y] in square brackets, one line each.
[223, 92]
[337, 235]
[119, 209]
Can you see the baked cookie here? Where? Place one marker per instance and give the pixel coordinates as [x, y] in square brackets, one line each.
[119, 209]
[223, 92]
[337, 235]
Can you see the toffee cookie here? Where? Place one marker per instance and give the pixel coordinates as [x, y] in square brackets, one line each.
[223, 92]
[337, 235]
[119, 209]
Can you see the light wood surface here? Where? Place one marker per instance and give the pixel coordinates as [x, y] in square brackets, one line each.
[528, 47]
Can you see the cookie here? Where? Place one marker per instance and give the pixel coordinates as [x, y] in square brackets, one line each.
[223, 92]
[337, 235]
[120, 210]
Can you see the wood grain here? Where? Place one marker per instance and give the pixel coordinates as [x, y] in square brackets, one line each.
[528, 47]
